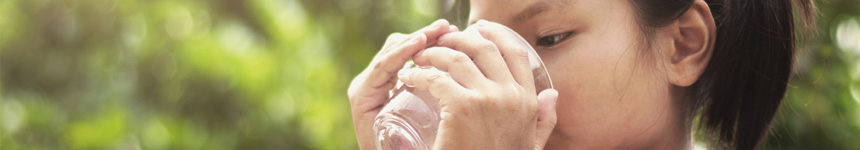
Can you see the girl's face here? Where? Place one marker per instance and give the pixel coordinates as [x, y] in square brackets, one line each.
[613, 91]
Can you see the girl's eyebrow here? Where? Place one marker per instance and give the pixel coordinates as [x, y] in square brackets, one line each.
[531, 11]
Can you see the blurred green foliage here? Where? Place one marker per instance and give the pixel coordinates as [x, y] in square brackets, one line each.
[272, 74]
[822, 107]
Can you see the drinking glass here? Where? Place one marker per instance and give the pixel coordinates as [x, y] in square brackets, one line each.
[411, 118]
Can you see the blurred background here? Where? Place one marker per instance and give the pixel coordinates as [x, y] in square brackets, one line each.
[272, 74]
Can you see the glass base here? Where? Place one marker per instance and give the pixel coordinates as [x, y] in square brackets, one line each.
[395, 133]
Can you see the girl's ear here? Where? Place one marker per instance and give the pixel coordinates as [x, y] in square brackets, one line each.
[693, 37]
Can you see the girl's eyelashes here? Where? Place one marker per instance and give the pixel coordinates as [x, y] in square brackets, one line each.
[551, 40]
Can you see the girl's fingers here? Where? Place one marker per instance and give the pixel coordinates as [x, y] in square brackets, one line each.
[393, 40]
[453, 28]
[370, 90]
[513, 49]
[382, 70]
[396, 52]
[456, 63]
[434, 31]
[438, 83]
[483, 52]
[547, 117]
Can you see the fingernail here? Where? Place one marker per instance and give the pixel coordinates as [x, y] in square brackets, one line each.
[403, 76]
[453, 28]
[434, 24]
[555, 99]
[437, 23]
[403, 73]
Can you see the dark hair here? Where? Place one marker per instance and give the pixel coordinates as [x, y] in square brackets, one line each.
[745, 81]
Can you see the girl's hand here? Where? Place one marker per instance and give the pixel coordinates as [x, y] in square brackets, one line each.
[487, 98]
[368, 92]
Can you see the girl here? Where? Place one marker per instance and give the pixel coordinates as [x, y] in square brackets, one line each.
[628, 74]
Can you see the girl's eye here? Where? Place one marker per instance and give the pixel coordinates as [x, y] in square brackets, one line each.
[549, 41]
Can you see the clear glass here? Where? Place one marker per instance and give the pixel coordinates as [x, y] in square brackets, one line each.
[411, 118]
